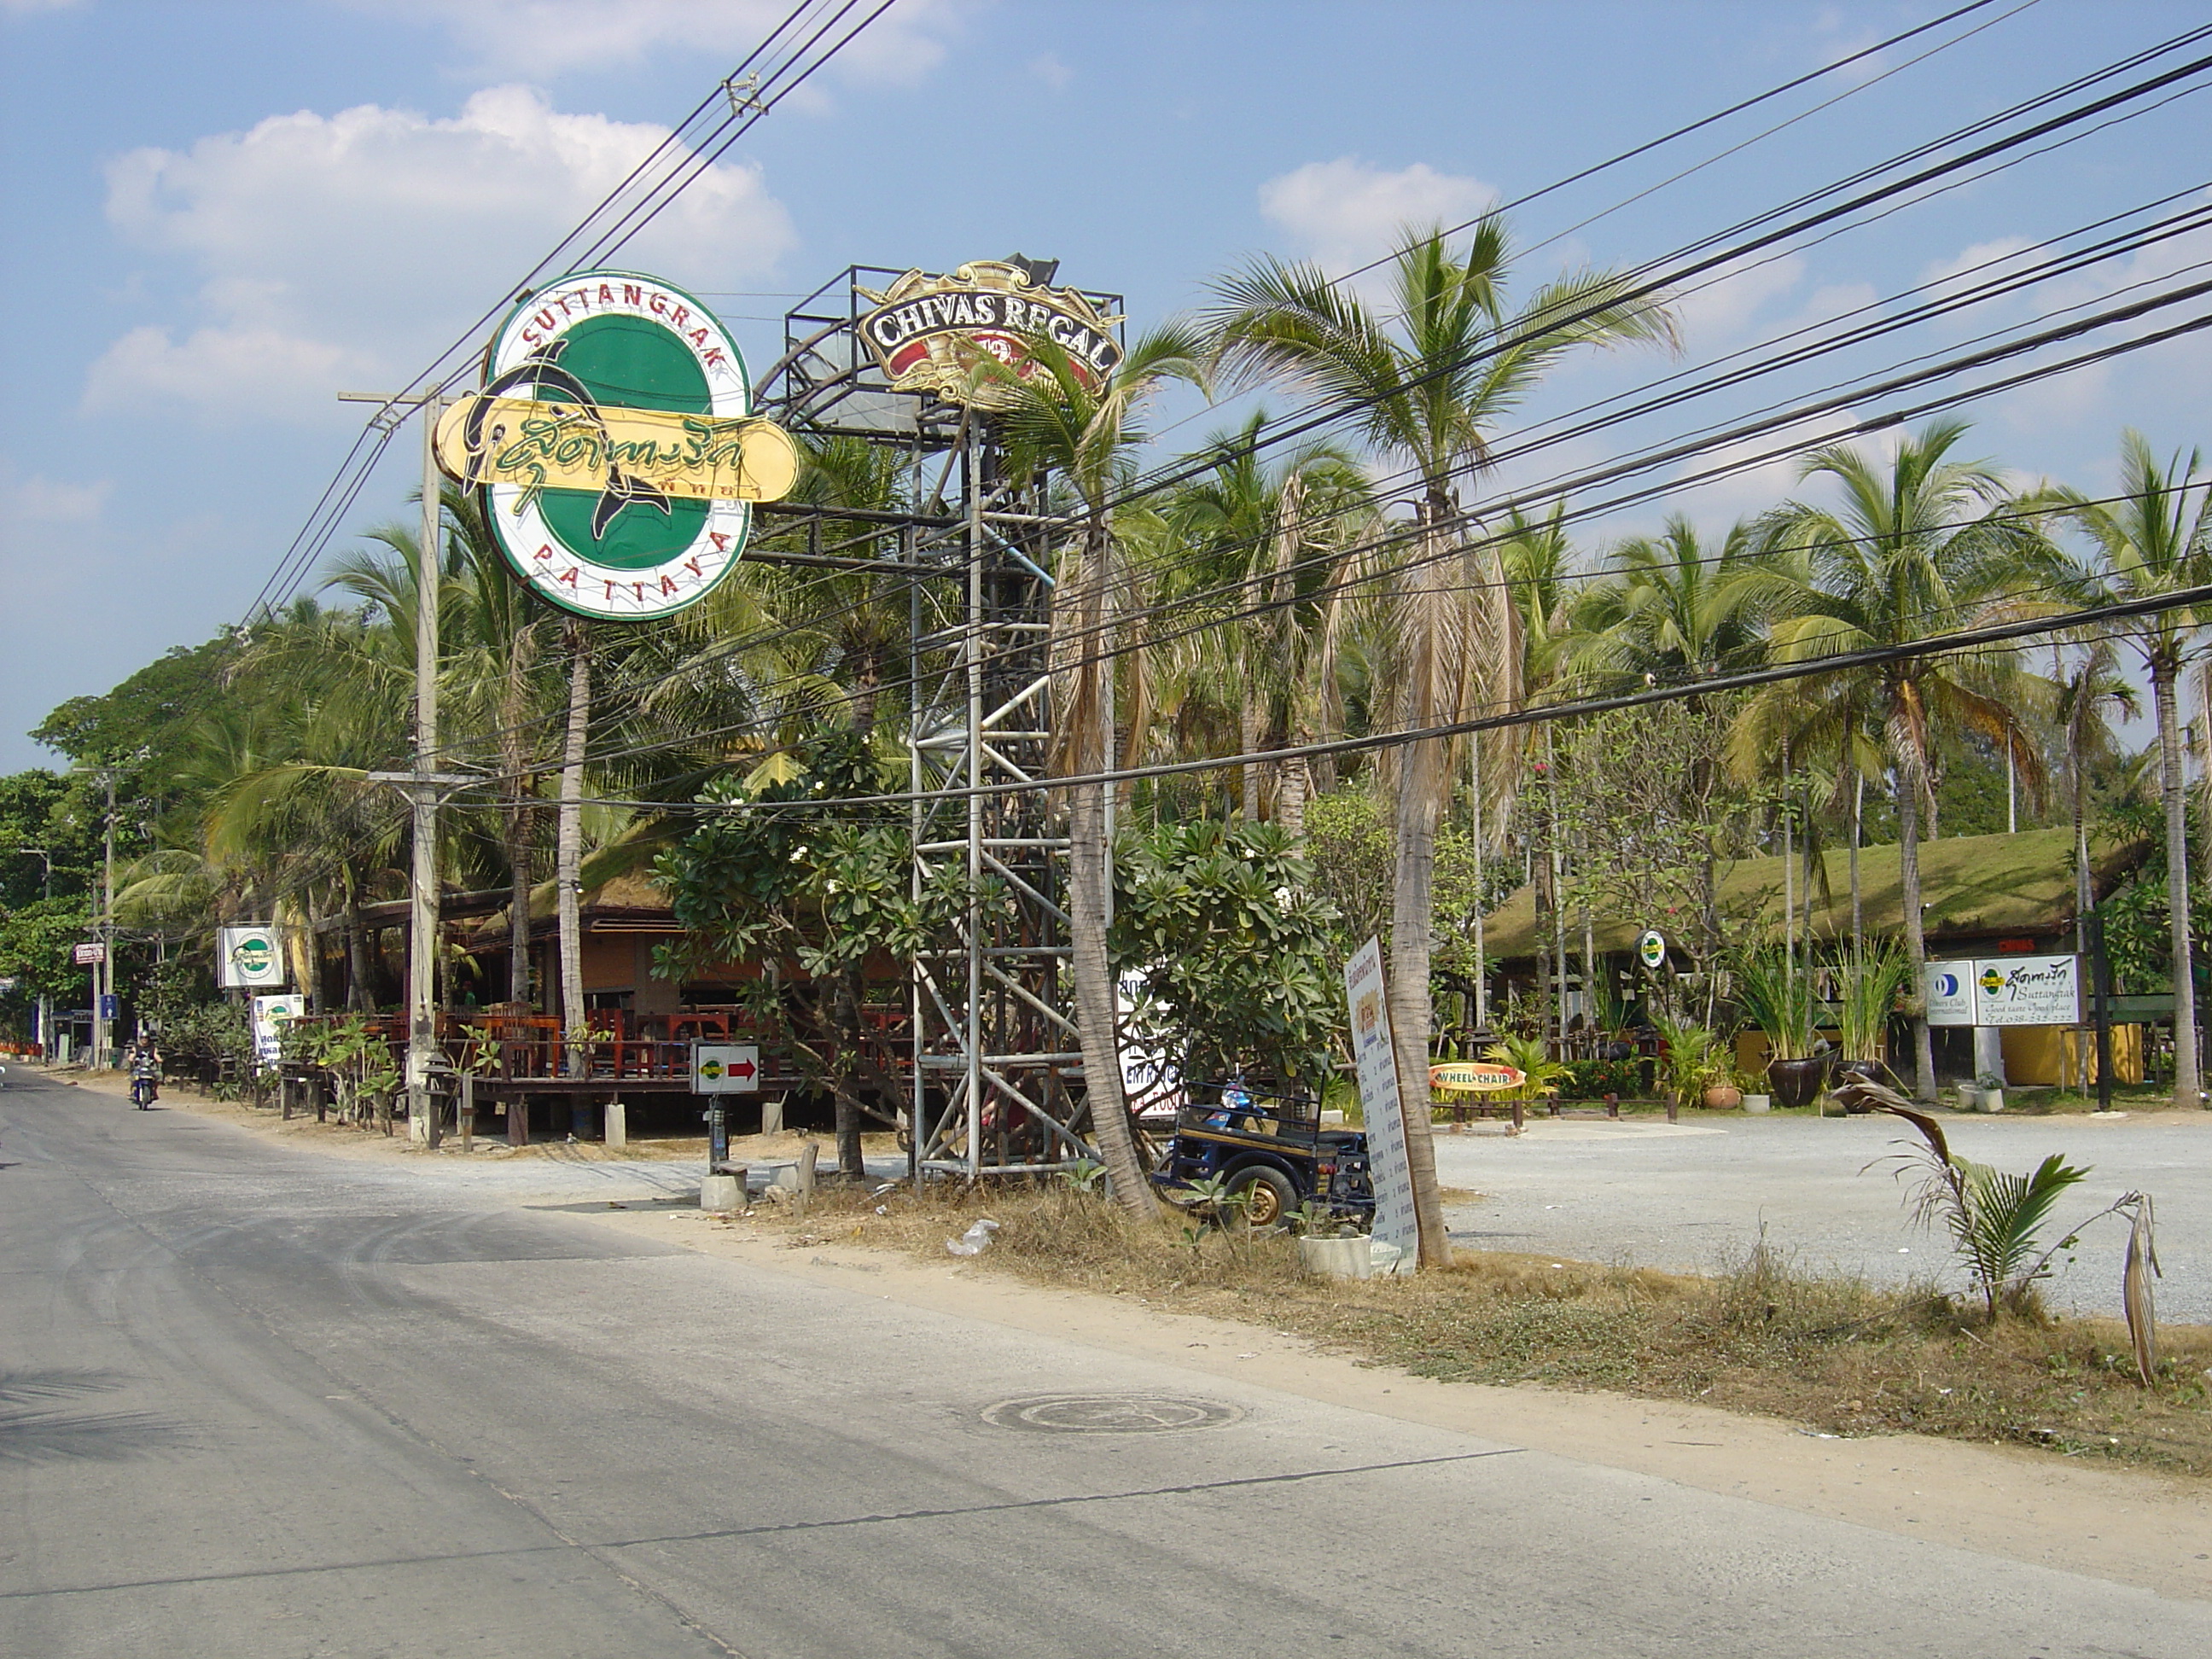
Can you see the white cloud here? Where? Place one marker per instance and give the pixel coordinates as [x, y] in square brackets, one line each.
[1344, 213]
[1723, 305]
[1049, 70]
[35, 499]
[354, 244]
[546, 38]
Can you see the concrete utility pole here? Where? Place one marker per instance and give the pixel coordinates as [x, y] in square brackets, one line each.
[45, 998]
[103, 971]
[422, 784]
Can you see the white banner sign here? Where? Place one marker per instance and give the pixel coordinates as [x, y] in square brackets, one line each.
[2027, 991]
[725, 1068]
[270, 1016]
[1376, 1062]
[2005, 991]
[1950, 993]
[248, 959]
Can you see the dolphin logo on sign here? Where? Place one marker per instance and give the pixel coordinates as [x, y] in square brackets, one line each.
[615, 445]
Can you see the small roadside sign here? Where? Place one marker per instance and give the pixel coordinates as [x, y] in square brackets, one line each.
[1651, 949]
[88, 956]
[725, 1068]
[1475, 1076]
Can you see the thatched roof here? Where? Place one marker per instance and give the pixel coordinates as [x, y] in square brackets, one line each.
[1973, 885]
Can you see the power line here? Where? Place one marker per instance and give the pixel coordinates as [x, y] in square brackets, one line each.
[1630, 466]
[1936, 645]
[773, 86]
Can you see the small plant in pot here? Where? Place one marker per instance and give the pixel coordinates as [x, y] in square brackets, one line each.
[1693, 1063]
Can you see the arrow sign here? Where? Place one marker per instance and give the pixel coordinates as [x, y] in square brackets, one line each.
[725, 1068]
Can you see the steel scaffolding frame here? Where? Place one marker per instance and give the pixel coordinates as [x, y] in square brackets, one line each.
[995, 1086]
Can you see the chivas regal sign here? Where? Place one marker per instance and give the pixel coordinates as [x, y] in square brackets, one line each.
[927, 333]
[615, 445]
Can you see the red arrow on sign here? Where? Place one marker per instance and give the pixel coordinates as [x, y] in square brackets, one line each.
[743, 1068]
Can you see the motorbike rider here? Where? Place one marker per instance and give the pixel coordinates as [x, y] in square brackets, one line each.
[144, 1061]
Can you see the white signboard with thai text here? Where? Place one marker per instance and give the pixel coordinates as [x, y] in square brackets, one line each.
[270, 1016]
[2027, 991]
[1951, 993]
[1375, 1063]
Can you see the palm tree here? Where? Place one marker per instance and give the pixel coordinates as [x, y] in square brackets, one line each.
[1083, 430]
[1920, 545]
[2156, 539]
[1252, 536]
[1427, 382]
[2086, 693]
[1671, 607]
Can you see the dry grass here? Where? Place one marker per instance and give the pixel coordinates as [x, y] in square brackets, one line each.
[1836, 1355]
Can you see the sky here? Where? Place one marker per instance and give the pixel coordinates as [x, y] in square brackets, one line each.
[220, 215]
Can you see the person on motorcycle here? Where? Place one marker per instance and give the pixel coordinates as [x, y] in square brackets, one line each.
[145, 1063]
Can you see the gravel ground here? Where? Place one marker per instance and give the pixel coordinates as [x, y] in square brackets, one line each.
[1692, 1197]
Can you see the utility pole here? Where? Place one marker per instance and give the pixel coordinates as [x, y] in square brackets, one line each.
[103, 971]
[102, 1037]
[423, 786]
[45, 998]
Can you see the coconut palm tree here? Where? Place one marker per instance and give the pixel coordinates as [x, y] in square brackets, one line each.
[2156, 539]
[1920, 545]
[1271, 538]
[1670, 607]
[1427, 379]
[2093, 688]
[1083, 428]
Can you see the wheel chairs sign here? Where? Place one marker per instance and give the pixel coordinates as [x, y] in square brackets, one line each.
[615, 445]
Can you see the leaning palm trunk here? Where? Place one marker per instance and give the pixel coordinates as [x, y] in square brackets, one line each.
[568, 848]
[1089, 724]
[1915, 935]
[1419, 776]
[2185, 1086]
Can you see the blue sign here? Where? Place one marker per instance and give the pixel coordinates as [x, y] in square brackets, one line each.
[111, 1006]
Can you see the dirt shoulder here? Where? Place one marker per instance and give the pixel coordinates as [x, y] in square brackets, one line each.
[2127, 1526]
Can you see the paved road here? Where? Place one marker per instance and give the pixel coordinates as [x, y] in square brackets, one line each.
[1692, 1198]
[259, 1403]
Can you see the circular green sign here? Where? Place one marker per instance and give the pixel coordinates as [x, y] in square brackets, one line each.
[1651, 949]
[612, 339]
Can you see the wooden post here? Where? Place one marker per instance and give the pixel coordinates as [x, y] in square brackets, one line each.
[517, 1121]
[468, 1114]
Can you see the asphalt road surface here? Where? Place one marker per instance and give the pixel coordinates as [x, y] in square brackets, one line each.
[258, 1402]
[1694, 1199]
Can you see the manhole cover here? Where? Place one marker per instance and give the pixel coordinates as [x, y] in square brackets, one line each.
[1111, 1413]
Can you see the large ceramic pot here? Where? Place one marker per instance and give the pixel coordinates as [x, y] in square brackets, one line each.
[1724, 1098]
[1798, 1082]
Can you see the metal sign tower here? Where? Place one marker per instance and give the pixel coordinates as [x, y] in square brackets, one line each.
[996, 1078]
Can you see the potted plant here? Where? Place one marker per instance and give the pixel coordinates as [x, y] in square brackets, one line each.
[1777, 995]
[1692, 1060]
[1868, 984]
[1531, 1056]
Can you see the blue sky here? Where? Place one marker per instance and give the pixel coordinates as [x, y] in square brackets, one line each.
[218, 215]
